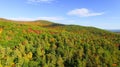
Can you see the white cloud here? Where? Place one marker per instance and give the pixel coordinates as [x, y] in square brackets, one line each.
[38, 18]
[40, 1]
[83, 12]
[51, 18]
[22, 19]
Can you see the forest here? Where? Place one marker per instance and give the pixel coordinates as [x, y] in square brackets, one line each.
[47, 44]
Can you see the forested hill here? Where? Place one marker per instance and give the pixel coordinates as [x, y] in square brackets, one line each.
[46, 44]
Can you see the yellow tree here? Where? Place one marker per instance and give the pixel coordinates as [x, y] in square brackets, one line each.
[1, 30]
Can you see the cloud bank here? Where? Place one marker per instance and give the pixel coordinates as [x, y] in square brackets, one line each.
[83, 12]
[38, 18]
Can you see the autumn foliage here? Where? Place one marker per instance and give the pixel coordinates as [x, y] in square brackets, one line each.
[44, 44]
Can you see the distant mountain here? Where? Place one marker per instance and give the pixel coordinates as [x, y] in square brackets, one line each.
[43, 43]
[117, 31]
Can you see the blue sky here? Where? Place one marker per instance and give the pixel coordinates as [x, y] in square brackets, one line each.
[103, 14]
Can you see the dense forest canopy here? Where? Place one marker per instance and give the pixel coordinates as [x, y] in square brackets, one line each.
[47, 44]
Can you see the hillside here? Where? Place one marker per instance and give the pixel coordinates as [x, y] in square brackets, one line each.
[46, 44]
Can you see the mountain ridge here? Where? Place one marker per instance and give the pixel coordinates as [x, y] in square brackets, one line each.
[47, 44]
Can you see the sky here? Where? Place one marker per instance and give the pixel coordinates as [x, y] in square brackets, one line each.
[104, 14]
